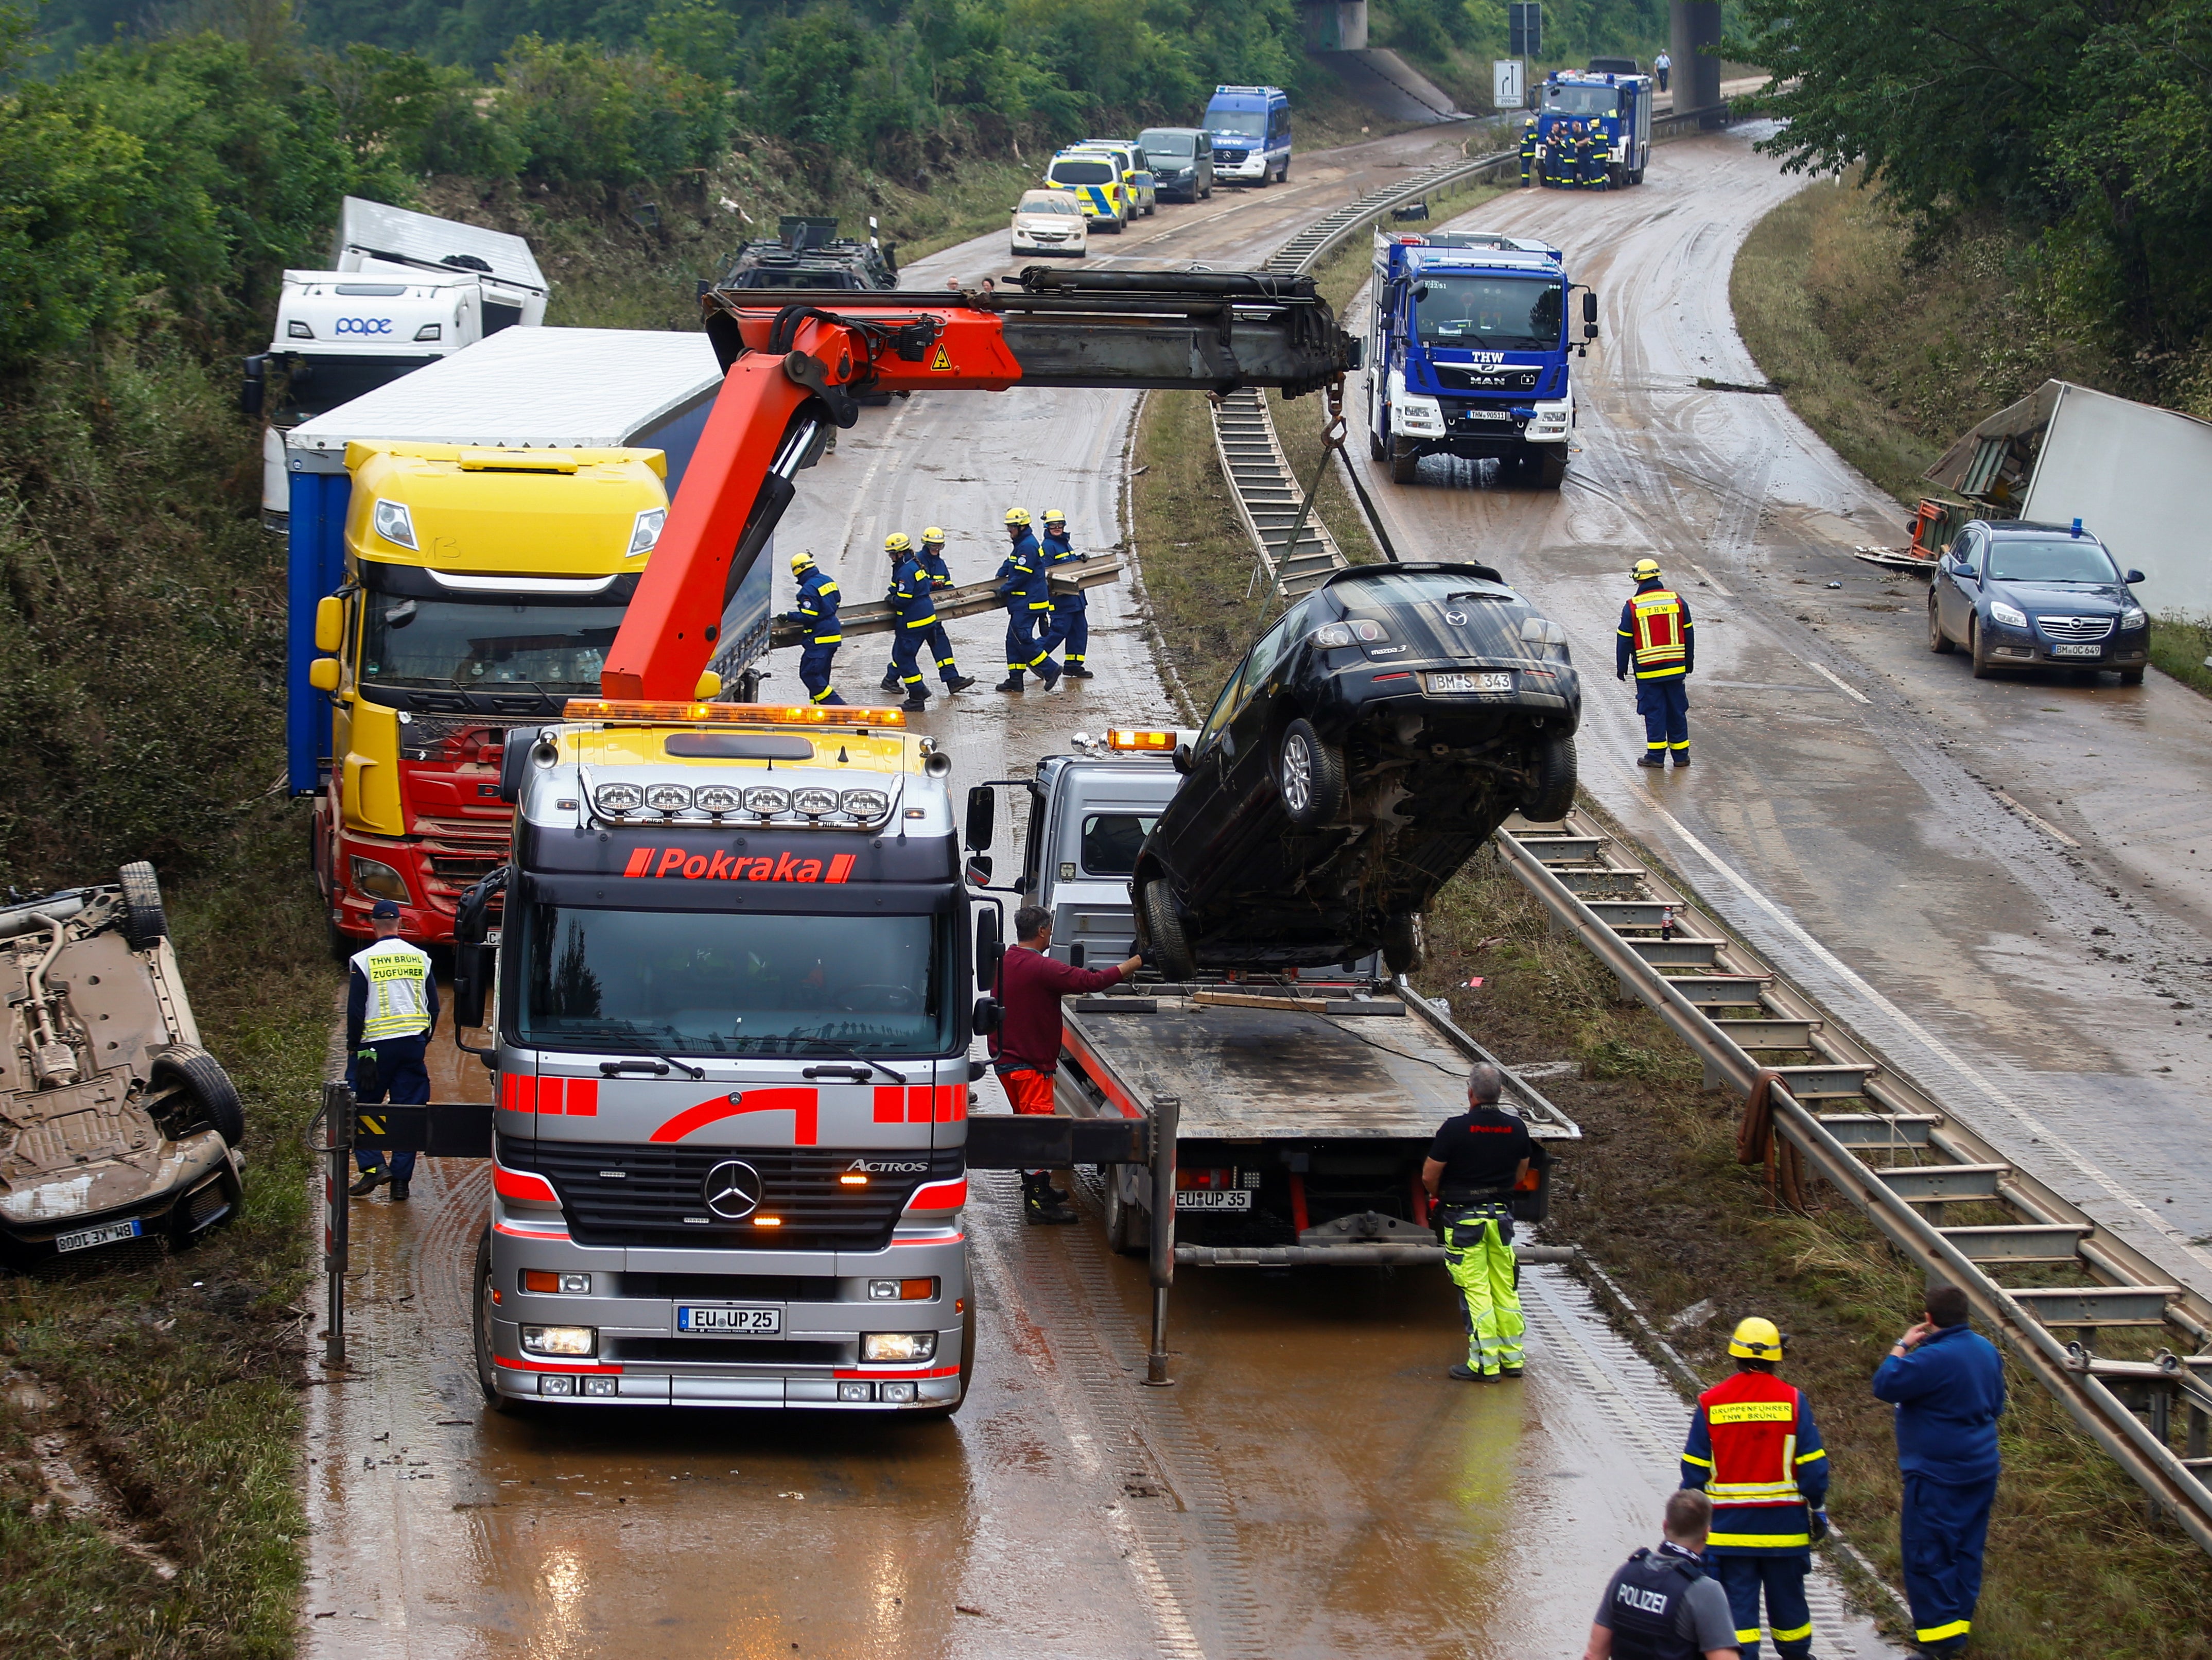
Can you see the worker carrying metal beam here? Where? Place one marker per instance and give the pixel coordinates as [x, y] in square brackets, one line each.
[1027, 590]
[1661, 1604]
[1656, 639]
[931, 558]
[1477, 1159]
[1947, 1382]
[817, 613]
[1069, 633]
[1755, 1451]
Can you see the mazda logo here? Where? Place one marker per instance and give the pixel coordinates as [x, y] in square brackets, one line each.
[1456, 618]
[732, 1190]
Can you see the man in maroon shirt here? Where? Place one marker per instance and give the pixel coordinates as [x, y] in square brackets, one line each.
[1025, 1049]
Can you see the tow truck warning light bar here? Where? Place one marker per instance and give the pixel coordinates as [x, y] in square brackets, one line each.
[1120, 739]
[645, 712]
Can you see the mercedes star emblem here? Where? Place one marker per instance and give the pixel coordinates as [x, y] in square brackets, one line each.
[733, 1189]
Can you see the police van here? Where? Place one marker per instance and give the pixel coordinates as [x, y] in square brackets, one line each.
[1094, 178]
[1251, 129]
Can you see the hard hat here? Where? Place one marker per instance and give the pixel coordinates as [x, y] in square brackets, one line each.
[896, 542]
[1756, 1339]
[1055, 516]
[933, 534]
[801, 561]
[1644, 570]
[1018, 515]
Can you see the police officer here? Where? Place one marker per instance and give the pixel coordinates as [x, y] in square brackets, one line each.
[1661, 1604]
[817, 613]
[1947, 1384]
[1656, 639]
[1662, 66]
[913, 600]
[931, 556]
[392, 1006]
[1069, 633]
[1755, 1451]
[1529, 146]
[1477, 1159]
[1028, 596]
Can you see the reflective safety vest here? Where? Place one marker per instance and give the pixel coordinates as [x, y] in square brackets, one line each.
[817, 608]
[398, 979]
[913, 594]
[1750, 1447]
[1660, 641]
[1643, 1609]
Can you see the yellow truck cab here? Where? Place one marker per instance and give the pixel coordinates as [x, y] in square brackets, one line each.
[483, 587]
[1095, 180]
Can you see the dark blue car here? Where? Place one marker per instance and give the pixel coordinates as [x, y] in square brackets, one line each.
[2018, 595]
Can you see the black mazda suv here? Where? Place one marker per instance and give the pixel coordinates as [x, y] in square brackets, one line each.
[1365, 748]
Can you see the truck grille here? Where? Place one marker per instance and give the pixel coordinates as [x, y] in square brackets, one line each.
[661, 1187]
[2073, 628]
[1231, 158]
[733, 1351]
[462, 850]
[1458, 380]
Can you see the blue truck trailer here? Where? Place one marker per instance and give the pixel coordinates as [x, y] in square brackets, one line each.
[1621, 104]
[1468, 354]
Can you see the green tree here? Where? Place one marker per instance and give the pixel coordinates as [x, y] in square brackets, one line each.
[582, 113]
[74, 189]
[803, 81]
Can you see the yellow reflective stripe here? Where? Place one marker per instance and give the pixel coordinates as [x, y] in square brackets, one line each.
[1743, 1636]
[1937, 1633]
[1795, 1633]
[1692, 1458]
[1738, 1493]
[828, 639]
[1802, 1457]
[1777, 1541]
[1662, 674]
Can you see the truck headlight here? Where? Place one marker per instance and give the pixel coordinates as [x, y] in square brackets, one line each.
[392, 521]
[571, 1343]
[865, 804]
[893, 1346]
[766, 800]
[2011, 616]
[814, 802]
[618, 798]
[668, 798]
[1418, 415]
[645, 534]
[431, 332]
[380, 881]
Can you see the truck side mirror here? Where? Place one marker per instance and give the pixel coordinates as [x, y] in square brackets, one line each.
[329, 623]
[1589, 315]
[988, 948]
[472, 970]
[982, 813]
[323, 674]
[254, 388]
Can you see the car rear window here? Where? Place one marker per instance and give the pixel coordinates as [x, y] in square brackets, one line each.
[1082, 172]
[2054, 559]
[1110, 841]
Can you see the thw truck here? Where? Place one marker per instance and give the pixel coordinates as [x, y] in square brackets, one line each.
[1469, 354]
[1619, 104]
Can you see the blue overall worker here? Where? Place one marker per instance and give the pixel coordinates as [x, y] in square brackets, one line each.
[1477, 1159]
[1070, 632]
[1657, 642]
[392, 1007]
[1597, 157]
[1028, 596]
[1947, 1382]
[1558, 156]
[1529, 145]
[817, 613]
[930, 553]
[1755, 1451]
[913, 600]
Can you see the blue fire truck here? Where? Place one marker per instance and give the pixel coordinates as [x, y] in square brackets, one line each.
[1468, 354]
[1620, 103]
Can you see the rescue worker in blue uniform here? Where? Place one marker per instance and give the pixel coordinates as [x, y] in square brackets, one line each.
[817, 613]
[913, 600]
[1597, 157]
[1069, 633]
[1947, 1382]
[1474, 1165]
[1028, 596]
[391, 1008]
[1662, 1604]
[931, 556]
[1559, 154]
[1755, 1451]
[1529, 145]
[1656, 639]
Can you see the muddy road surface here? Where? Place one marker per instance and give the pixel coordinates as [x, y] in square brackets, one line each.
[1312, 1485]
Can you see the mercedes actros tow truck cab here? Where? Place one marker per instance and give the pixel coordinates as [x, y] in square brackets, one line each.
[405, 289]
[1469, 353]
[1619, 104]
[733, 1034]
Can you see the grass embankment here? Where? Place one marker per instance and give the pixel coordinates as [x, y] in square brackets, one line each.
[1889, 350]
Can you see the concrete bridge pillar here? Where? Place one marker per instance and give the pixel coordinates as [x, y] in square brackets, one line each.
[1696, 28]
[1335, 25]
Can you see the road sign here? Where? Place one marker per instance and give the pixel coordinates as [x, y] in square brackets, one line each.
[1508, 78]
[1524, 29]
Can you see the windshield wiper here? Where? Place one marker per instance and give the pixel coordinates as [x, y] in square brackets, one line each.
[630, 1029]
[853, 1054]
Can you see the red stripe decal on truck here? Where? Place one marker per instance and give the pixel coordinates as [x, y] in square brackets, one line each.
[804, 1105]
[641, 861]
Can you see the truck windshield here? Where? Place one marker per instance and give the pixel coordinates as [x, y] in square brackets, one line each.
[1251, 125]
[1110, 841]
[724, 982]
[1518, 314]
[2061, 559]
[1582, 100]
[1082, 172]
[316, 386]
[485, 643]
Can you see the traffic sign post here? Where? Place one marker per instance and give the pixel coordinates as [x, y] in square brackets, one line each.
[1509, 78]
[1524, 29]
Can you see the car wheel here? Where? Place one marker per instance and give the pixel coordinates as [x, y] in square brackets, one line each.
[1311, 775]
[1550, 792]
[1404, 463]
[1551, 467]
[1207, 194]
[1938, 642]
[2132, 676]
[487, 1372]
[1984, 668]
[1404, 944]
[210, 1098]
[1164, 927]
[1128, 1227]
[144, 923]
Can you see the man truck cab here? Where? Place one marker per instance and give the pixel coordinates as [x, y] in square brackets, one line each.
[1619, 104]
[1251, 130]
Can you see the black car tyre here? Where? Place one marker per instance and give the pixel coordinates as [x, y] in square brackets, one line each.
[210, 1098]
[487, 1371]
[1311, 775]
[1404, 944]
[1938, 642]
[1170, 948]
[2132, 676]
[1404, 463]
[1984, 668]
[1552, 466]
[144, 924]
[1128, 1227]
[1550, 792]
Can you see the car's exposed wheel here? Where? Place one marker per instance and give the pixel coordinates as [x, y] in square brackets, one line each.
[144, 924]
[1983, 667]
[1938, 642]
[1404, 944]
[1309, 773]
[1551, 467]
[209, 1099]
[1551, 791]
[2132, 676]
[1164, 927]
[1128, 1227]
[1404, 463]
[487, 1372]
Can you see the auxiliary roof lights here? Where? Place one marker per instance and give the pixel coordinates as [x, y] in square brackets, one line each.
[639, 712]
